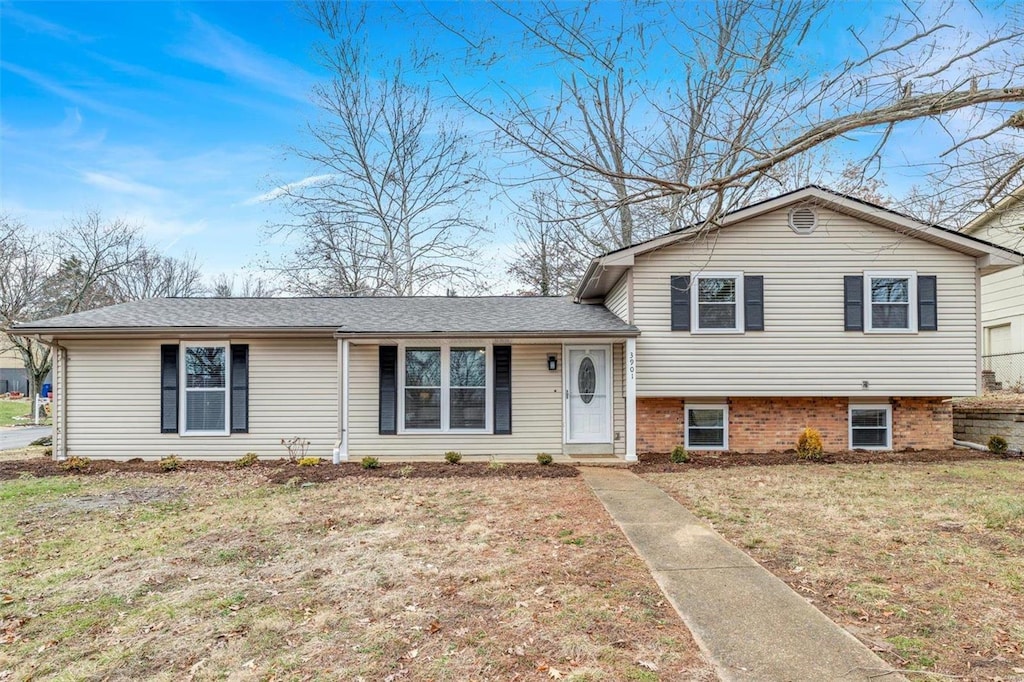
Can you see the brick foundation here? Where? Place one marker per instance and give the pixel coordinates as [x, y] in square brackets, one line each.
[659, 424]
[922, 424]
[765, 424]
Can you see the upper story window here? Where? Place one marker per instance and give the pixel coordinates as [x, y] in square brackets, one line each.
[717, 302]
[891, 298]
[205, 398]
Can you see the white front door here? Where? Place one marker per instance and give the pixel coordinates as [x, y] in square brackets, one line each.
[588, 394]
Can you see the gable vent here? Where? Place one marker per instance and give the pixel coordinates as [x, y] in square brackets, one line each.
[803, 219]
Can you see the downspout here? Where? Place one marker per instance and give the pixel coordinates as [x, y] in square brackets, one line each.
[60, 411]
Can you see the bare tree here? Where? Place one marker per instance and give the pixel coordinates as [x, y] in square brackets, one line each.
[688, 108]
[24, 274]
[547, 261]
[387, 207]
[153, 275]
[72, 270]
[225, 286]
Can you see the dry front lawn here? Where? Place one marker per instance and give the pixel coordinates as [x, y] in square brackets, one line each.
[923, 562]
[205, 573]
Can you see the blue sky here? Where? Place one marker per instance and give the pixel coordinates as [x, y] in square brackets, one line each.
[177, 114]
[174, 115]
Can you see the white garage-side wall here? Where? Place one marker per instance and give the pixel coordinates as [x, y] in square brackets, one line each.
[1002, 299]
[113, 400]
[804, 350]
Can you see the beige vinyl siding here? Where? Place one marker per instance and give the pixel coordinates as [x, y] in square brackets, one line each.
[10, 358]
[617, 299]
[536, 411]
[804, 350]
[113, 398]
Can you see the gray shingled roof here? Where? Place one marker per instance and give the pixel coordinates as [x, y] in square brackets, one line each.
[486, 315]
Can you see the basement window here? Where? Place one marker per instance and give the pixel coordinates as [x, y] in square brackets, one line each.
[707, 427]
[871, 427]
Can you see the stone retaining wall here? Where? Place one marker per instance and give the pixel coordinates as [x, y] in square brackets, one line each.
[976, 424]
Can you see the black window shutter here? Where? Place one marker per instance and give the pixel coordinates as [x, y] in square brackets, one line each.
[388, 410]
[753, 303]
[853, 303]
[169, 388]
[239, 388]
[680, 303]
[503, 390]
[927, 304]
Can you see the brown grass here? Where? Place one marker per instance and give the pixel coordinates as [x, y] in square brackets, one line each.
[210, 574]
[923, 562]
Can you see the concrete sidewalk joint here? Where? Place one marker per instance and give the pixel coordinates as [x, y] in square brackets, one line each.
[748, 623]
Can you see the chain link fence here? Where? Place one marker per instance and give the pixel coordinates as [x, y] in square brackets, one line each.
[1008, 369]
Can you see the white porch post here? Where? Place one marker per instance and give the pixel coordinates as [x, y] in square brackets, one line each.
[341, 447]
[631, 400]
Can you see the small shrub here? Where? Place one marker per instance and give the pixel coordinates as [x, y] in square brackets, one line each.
[679, 455]
[809, 445]
[370, 463]
[75, 463]
[296, 447]
[997, 445]
[308, 461]
[249, 459]
[544, 459]
[494, 465]
[171, 463]
[406, 471]
[453, 457]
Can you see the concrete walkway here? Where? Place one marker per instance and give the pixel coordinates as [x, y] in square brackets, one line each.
[749, 624]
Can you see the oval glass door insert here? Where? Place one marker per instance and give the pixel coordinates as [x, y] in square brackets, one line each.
[586, 380]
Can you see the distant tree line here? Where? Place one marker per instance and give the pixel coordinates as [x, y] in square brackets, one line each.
[89, 262]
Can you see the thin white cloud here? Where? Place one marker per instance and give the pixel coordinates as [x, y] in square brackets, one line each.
[284, 189]
[215, 48]
[117, 185]
[34, 24]
[73, 96]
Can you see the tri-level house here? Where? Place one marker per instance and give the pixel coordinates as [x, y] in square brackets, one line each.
[810, 309]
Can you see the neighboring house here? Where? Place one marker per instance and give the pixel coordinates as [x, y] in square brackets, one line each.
[1002, 293]
[12, 368]
[811, 309]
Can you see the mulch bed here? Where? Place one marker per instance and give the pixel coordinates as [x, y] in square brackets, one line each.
[286, 471]
[660, 463]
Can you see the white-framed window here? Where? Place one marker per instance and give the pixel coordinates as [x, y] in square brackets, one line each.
[891, 298]
[205, 400]
[445, 388]
[871, 427]
[716, 302]
[707, 427]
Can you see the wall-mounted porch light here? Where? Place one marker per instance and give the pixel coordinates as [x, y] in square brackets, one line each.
[552, 362]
